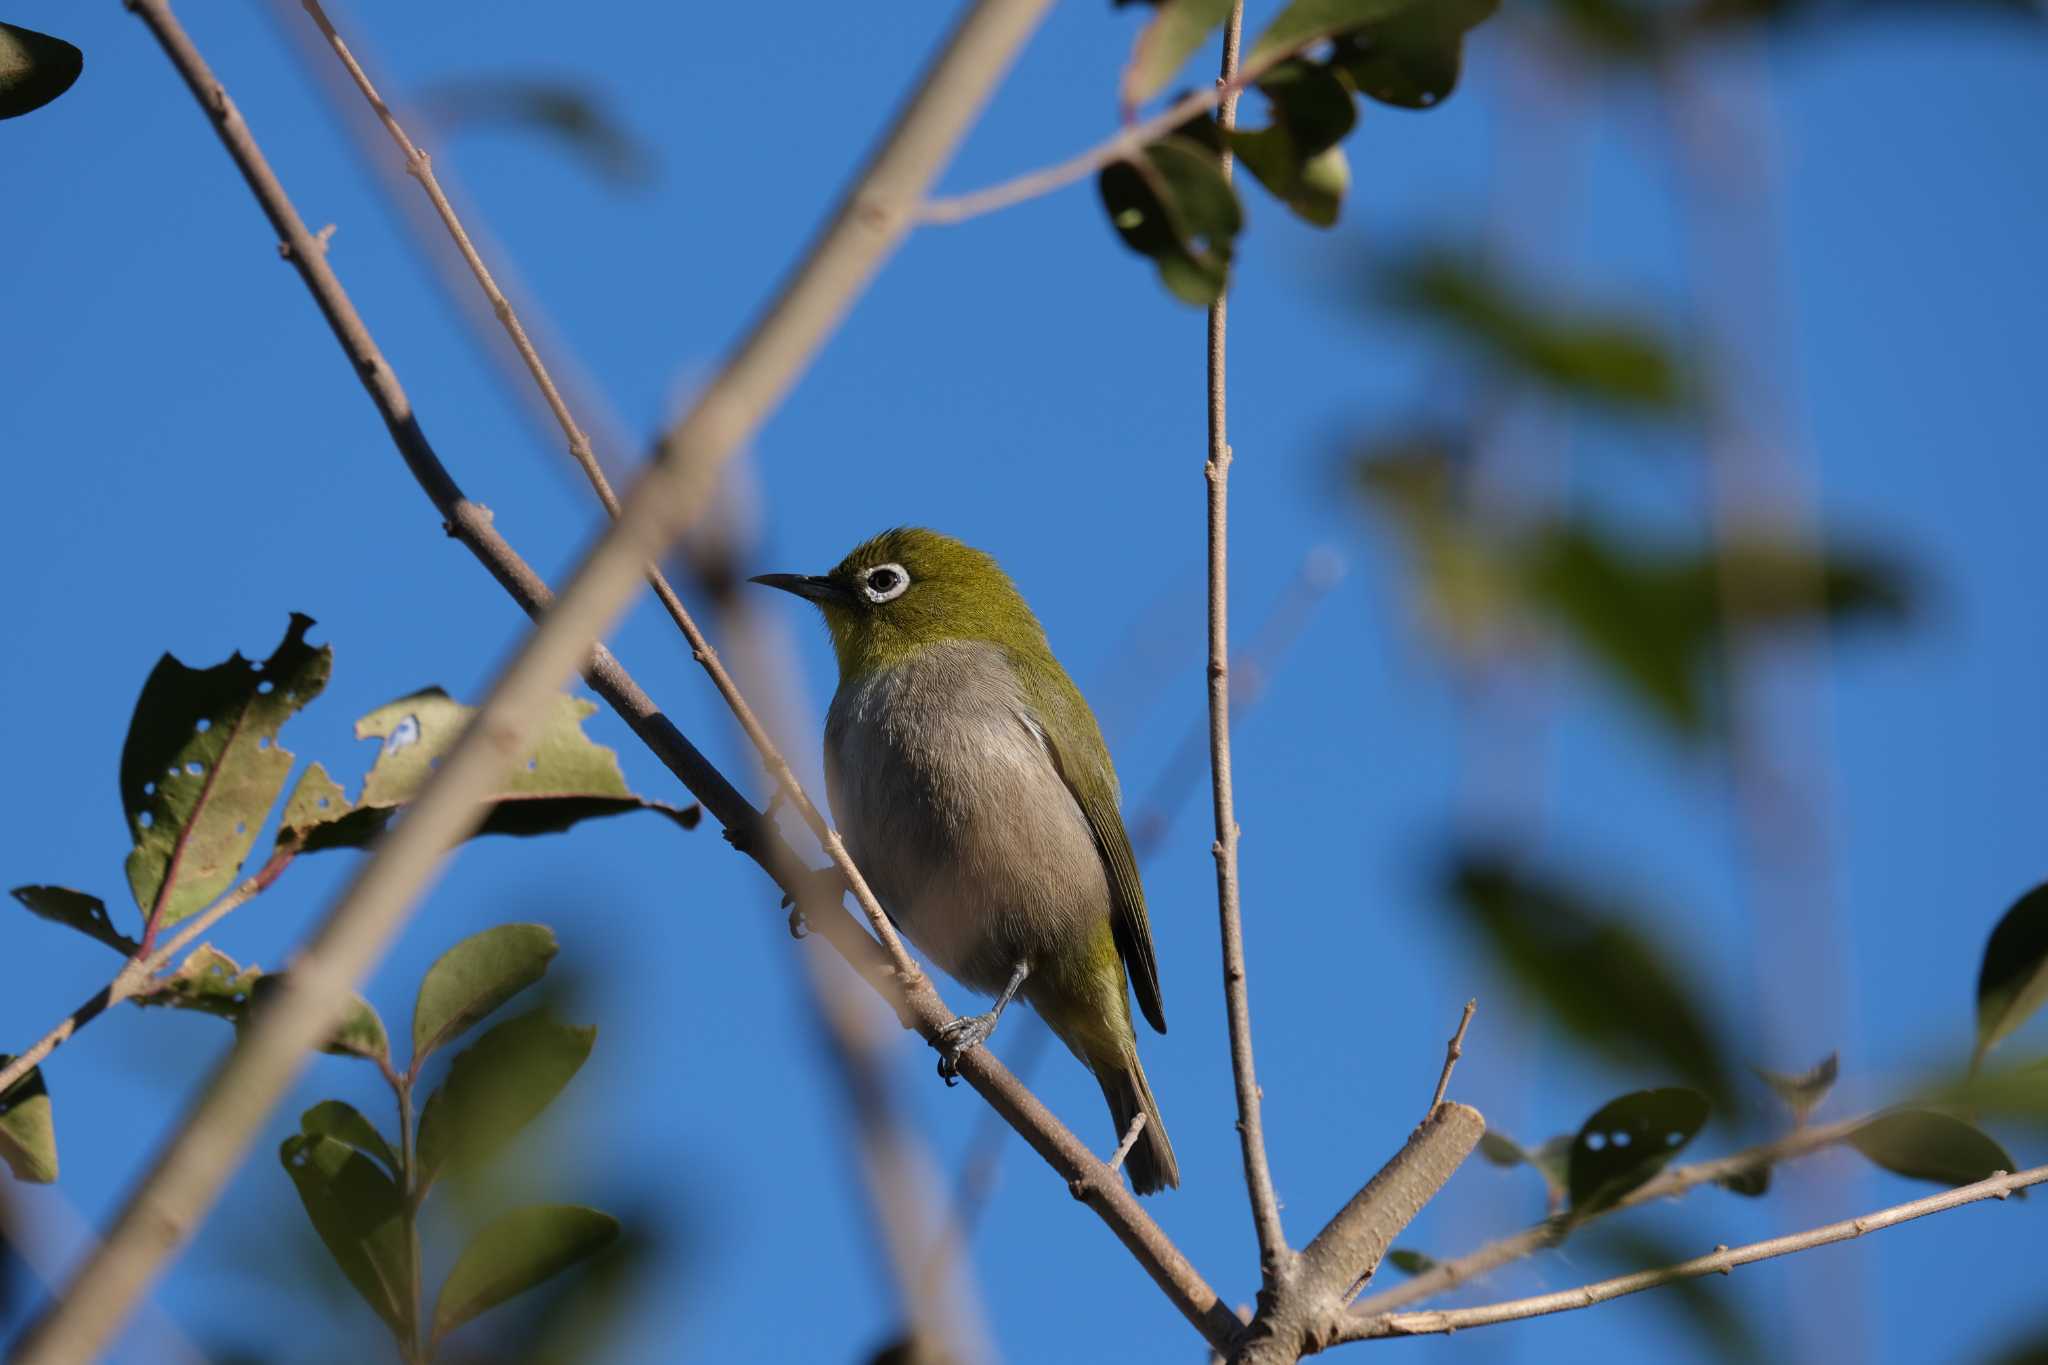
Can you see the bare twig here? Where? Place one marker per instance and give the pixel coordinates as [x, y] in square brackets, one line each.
[1720, 1262]
[1123, 1149]
[1275, 1257]
[1447, 1275]
[1452, 1052]
[137, 975]
[205, 1148]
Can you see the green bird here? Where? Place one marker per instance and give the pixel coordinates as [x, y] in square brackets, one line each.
[971, 784]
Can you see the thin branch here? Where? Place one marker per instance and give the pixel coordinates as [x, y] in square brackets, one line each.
[1678, 1180]
[137, 975]
[1275, 1257]
[215, 1133]
[1720, 1262]
[1452, 1052]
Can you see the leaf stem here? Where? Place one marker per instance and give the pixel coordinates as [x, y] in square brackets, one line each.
[411, 1194]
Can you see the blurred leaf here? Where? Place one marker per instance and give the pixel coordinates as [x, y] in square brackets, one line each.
[1628, 1141]
[1803, 1092]
[1750, 1184]
[360, 1033]
[1925, 1144]
[34, 69]
[345, 1123]
[1412, 59]
[1304, 22]
[2019, 1093]
[1551, 1160]
[1710, 1316]
[1500, 1149]
[1311, 102]
[517, 1251]
[1575, 353]
[573, 115]
[497, 1086]
[2012, 983]
[201, 768]
[28, 1131]
[76, 910]
[1410, 1262]
[1297, 157]
[1600, 978]
[475, 977]
[1464, 577]
[2029, 1348]
[360, 1215]
[565, 779]
[1178, 28]
[1172, 204]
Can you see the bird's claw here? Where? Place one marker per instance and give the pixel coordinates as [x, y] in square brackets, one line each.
[959, 1036]
[814, 886]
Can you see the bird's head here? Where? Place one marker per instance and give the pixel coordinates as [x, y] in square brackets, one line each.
[910, 588]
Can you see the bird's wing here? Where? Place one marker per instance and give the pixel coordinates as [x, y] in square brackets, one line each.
[1074, 741]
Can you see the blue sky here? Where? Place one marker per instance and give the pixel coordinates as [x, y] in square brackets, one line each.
[189, 461]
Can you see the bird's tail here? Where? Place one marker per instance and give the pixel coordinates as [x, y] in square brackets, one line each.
[1150, 1162]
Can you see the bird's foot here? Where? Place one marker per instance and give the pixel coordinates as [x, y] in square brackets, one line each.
[959, 1036]
[819, 886]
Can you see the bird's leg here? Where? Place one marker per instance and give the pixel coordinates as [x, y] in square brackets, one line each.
[824, 885]
[957, 1036]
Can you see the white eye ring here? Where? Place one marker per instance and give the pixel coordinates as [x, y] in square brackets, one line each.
[894, 580]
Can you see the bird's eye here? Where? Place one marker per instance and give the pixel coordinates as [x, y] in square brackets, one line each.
[885, 582]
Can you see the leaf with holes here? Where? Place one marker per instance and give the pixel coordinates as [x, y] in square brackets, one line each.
[496, 1086]
[360, 1215]
[208, 980]
[345, 1123]
[1628, 1141]
[1172, 204]
[1925, 1144]
[28, 1133]
[1412, 60]
[201, 768]
[34, 69]
[517, 1251]
[1581, 957]
[1177, 28]
[564, 778]
[475, 977]
[1803, 1092]
[76, 910]
[2012, 982]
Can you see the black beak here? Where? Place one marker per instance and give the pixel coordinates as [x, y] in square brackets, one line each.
[816, 587]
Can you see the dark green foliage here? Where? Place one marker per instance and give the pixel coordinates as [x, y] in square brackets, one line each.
[28, 1133]
[76, 910]
[496, 1086]
[517, 1251]
[1412, 59]
[345, 1123]
[2012, 982]
[1296, 157]
[1926, 1144]
[1172, 204]
[361, 1217]
[34, 69]
[1629, 1140]
[475, 977]
[1583, 960]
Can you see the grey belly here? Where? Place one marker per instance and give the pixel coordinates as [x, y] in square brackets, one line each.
[954, 812]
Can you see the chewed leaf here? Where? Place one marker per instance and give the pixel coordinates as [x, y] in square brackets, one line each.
[1177, 29]
[76, 910]
[564, 779]
[28, 1134]
[2012, 983]
[1926, 1144]
[517, 1251]
[201, 768]
[1628, 1141]
[208, 981]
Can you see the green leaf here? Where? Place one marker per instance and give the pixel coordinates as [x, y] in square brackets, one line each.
[1314, 189]
[1306, 22]
[1751, 1183]
[1171, 203]
[201, 768]
[574, 117]
[1410, 1262]
[1803, 1092]
[34, 69]
[1412, 60]
[1549, 1160]
[345, 1123]
[28, 1132]
[209, 981]
[475, 977]
[1628, 1141]
[1582, 959]
[76, 910]
[360, 1033]
[1311, 102]
[1500, 1149]
[360, 1215]
[496, 1086]
[514, 1253]
[1177, 29]
[566, 777]
[2012, 983]
[1925, 1144]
